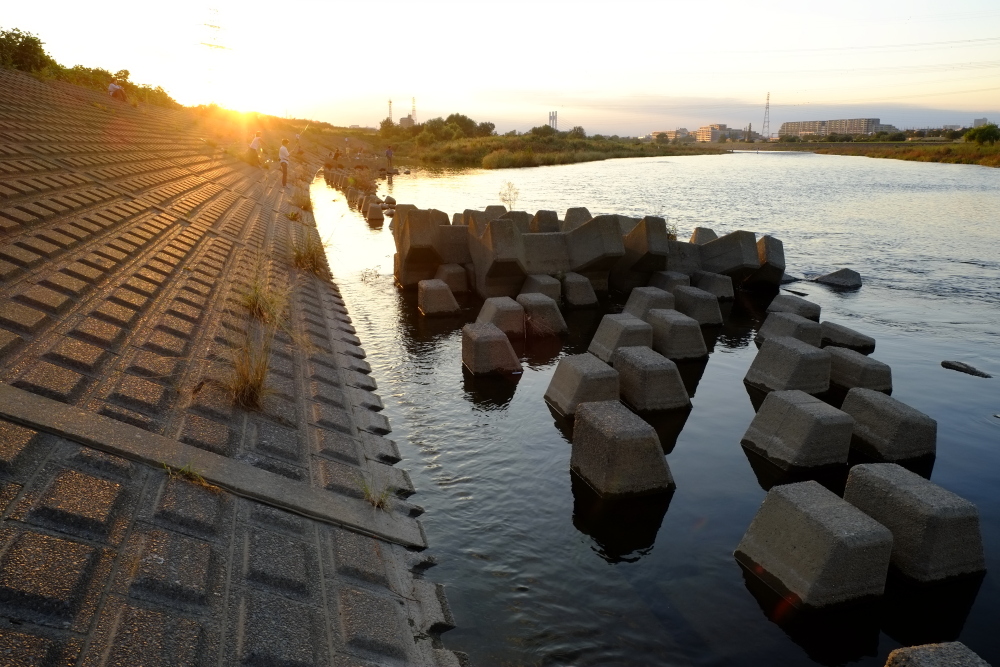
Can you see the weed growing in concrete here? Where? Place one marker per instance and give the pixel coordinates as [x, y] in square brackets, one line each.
[302, 199]
[263, 303]
[379, 499]
[292, 215]
[309, 254]
[188, 473]
[246, 381]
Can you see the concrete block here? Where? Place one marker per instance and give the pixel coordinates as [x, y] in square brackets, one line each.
[668, 280]
[702, 235]
[714, 283]
[596, 245]
[771, 255]
[842, 279]
[649, 381]
[541, 315]
[683, 257]
[543, 254]
[947, 654]
[817, 549]
[575, 217]
[836, 335]
[644, 299]
[617, 453]
[494, 212]
[454, 276]
[789, 303]
[851, 369]
[621, 330]
[542, 284]
[675, 335]
[434, 297]
[494, 253]
[791, 325]
[788, 363]
[457, 219]
[646, 246]
[794, 430]
[505, 313]
[486, 350]
[545, 221]
[734, 255]
[521, 220]
[577, 291]
[452, 243]
[698, 304]
[581, 378]
[887, 429]
[935, 533]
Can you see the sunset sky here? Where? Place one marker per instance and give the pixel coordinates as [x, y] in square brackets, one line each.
[617, 67]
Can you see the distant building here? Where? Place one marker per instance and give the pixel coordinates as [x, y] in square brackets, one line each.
[978, 122]
[839, 126]
[670, 134]
[711, 132]
[406, 122]
[891, 129]
[951, 127]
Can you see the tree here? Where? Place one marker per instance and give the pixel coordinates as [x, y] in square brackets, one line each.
[543, 131]
[509, 194]
[463, 122]
[577, 133]
[486, 129]
[22, 50]
[723, 138]
[984, 134]
[386, 127]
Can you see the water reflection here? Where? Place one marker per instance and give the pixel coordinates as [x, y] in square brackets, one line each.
[489, 392]
[769, 475]
[691, 371]
[916, 613]
[668, 425]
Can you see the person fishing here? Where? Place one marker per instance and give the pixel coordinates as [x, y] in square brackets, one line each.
[253, 154]
[283, 158]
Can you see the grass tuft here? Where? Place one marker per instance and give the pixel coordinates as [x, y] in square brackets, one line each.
[263, 303]
[246, 380]
[379, 499]
[292, 215]
[309, 254]
[189, 474]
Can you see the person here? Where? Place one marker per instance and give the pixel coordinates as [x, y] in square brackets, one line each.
[283, 158]
[253, 155]
[116, 91]
[388, 157]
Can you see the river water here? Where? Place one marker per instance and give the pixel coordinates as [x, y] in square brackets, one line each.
[533, 578]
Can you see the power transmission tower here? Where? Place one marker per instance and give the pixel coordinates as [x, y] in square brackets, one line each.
[390, 112]
[413, 110]
[766, 130]
[554, 120]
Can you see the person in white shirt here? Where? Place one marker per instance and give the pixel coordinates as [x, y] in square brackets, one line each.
[253, 155]
[283, 158]
[116, 91]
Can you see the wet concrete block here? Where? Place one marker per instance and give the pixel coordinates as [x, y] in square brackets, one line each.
[791, 325]
[815, 548]
[575, 217]
[544, 221]
[794, 430]
[434, 297]
[935, 533]
[617, 453]
[649, 381]
[505, 313]
[668, 280]
[841, 279]
[789, 303]
[734, 255]
[621, 330]
[581, 378]
[837, 335]
[714, 283]
[698, 304]
[418, 257]
[486, 350]
[644, 299]
[542, 284]
[887, 429]
[788, 363]
[851, 369]
[948, 654]
[541, 315]
[675, 335]
[683, 257]
[577, 291]
[453, 275]
[702, 235]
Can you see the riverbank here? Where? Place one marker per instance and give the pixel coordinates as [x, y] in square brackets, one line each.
[947, 152]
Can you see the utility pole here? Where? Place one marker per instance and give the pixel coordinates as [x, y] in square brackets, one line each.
[767, 119]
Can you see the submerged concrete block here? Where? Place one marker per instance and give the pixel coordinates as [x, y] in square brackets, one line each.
[577, 291]
[649, 381]
[544, 221]
[542, 284]
[935, 533]
[644, 299]
[454, 276]
[698, 305]
[621, 330]
[815, 547]
[702, 235]
[505, 313]
[734, 255]
[791, 325]
[683, 257]
[675, 335]
[771, 255]
[794, 430]
[581, 378]
[837, 335]
[617, 453]
[851, 369]
[714, 283]
[541, 315]
[887, 429]
[668, 280]
[788, 363]
[575, 217]
[486, 350]
[842, 279]
[434, 297]
[947, 654]
[789, 303]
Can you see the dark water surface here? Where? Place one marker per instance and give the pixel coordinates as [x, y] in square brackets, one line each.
[533, 577]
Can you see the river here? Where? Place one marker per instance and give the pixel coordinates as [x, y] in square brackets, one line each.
[531, 578]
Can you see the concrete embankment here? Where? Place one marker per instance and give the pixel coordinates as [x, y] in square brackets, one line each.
[194, 468]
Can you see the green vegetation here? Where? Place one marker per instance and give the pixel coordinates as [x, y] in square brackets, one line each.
[379, 499]
[309, 254]
[967, 153]
[984, 134]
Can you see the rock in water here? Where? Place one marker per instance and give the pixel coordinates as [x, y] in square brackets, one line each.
[964, 368]
[842, 278]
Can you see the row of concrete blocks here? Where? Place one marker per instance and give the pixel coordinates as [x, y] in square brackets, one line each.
[370, 205]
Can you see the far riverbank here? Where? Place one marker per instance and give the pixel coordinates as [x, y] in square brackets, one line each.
[925, 151]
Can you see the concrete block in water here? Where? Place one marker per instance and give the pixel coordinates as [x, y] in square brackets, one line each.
[851, 369]
[621, 330]
[644, 299]
[595, 245]
[542, 284]
[683, 257]
[771, 255]
[543, 254]
[675, 335]
[787, 363]
[494, 251]
[494, 212]
[521, 220]
[947, 654]
[541, 315]
[575, 217]
[935, 533]
[702, 235]
[434, 297]
[581, 378]
[698, 305]
[837, 335]
[505, 313]
[714, 283]
[452, 243]
[626, 224]
[617, 453]
[887, 429]
[454, 276]
[668, 280]
[486, 350]
[789, 303]
[646, 249]
[791, 325]
[794, 430]
[577, 290]
[734, 255]
[649, 381]
[418, 259]
[544, 221]
[816, 548]
[842, 279]
[457, 219]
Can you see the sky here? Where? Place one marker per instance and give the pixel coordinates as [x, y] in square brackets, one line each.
[622, 67]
